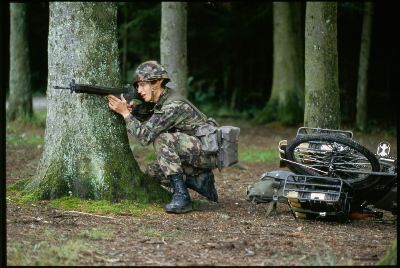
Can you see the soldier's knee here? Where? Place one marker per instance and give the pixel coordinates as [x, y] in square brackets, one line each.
[163, 139]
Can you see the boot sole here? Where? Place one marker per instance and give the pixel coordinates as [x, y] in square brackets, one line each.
[179, 211]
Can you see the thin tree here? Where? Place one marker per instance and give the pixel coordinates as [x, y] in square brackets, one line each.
[286, 103]
[86, 151]
[361, 113]
[173, 43]
[20, 98]
[322, 104]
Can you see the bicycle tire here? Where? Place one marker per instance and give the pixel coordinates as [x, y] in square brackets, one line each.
[307, 160]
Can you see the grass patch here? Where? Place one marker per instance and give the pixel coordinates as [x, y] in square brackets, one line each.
[96, 234]
[391, 255]
[15, 193]
[104, 206]
[38, 120]
[151, 232]
[259, 155]
[45, 253]
[24, 139]
[325, 259]
[26, 131]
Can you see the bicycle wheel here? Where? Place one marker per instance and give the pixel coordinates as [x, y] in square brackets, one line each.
[333, 155]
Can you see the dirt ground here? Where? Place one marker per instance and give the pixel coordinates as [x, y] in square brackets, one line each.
[230, 232]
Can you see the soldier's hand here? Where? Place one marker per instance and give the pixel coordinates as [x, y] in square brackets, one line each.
[118, 105]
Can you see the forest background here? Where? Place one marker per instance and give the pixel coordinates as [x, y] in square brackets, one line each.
[230, 55]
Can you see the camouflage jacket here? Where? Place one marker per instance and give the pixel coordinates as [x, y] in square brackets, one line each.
[170, 115]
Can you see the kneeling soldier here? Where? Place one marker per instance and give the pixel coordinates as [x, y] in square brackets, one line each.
[171, 129]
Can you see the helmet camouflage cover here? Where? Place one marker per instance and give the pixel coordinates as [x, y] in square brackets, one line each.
[149, 71]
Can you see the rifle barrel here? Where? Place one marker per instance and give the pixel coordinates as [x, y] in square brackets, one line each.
[58, 87]
[81, 88]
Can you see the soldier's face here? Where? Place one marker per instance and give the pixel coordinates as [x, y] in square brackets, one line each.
[149, 91]
[144, 89]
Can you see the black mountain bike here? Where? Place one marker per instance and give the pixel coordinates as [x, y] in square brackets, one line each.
[324, 157]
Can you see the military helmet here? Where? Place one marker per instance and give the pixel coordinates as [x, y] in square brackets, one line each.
[149, 71]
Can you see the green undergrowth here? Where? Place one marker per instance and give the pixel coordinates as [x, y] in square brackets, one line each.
[16, 193]
[103, 206]
[24, 139]
[26, 131]
[391, 255]
[37, 120]
[259, 155]
[97, 234]
[45, 253]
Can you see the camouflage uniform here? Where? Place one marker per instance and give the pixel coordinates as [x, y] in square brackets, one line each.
[171, 129]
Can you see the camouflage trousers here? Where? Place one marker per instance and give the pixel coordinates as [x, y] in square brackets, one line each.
[179, 153]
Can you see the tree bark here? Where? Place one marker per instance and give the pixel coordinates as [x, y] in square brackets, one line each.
[286, 103]
[20, 98]
[124, 42]
[322, 102]
[86, 151]
[173, 43]
[361, 116]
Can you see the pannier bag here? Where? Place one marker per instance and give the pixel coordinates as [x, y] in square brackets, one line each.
[268, 188]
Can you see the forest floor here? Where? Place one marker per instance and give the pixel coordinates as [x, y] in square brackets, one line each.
[230, 232]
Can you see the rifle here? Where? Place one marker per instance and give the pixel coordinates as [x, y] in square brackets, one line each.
[141, 110]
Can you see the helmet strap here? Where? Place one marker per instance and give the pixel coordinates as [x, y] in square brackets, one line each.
[152, 95]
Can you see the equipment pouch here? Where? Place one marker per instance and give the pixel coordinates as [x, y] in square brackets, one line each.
[269, 186]
[228, 139]
[208, 136]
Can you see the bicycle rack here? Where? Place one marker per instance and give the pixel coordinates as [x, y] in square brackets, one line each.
[313, 130]
[316, 196]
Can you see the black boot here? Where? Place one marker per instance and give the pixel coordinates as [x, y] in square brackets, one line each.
[203, 184]
[180, 202]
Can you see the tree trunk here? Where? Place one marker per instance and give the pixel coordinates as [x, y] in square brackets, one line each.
[173, 43]
[361, 117]
[124, 42]
[286, 103]
[86, 150]
[20, 99]
[322, 103]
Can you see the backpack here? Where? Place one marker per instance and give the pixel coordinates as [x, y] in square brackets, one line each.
[268, 189]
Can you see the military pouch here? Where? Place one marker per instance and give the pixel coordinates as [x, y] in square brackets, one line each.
[208, 136]
[222, 141]
[228, 140]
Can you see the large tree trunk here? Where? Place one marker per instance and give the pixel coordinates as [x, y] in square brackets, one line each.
[20, 99]
[173, 43]
[124, 41]
[361, 117]
[286, 103]
[322, 103]
[86, 150]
